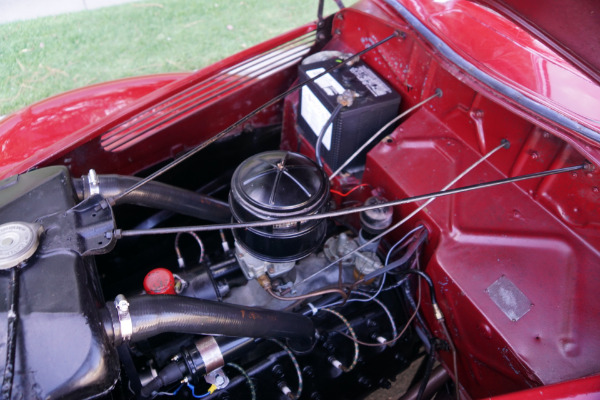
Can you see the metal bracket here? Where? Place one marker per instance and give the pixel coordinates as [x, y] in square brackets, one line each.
[86, 228]
[217, 378]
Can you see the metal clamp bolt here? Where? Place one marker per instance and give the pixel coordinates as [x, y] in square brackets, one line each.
[122, 306]
[93, 182]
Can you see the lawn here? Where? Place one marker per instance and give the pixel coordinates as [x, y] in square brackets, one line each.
[50, 55]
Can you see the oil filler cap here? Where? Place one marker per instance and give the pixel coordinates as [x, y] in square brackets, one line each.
[159, 281]
[18, 242]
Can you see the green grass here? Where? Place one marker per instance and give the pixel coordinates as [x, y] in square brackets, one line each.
[50, 55]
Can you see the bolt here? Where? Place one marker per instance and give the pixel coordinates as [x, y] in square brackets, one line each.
[399, 357]
[277, 371]
[219, 380]
[363, 380]
[384, 383]
[308, 371]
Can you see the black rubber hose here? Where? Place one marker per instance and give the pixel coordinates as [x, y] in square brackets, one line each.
[157, 195]
[172, 373]
[428, 369]
[152, 315]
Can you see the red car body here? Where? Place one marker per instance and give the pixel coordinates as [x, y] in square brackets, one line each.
[501, 77]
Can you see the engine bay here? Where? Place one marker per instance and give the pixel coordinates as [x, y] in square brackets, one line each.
[306, 223]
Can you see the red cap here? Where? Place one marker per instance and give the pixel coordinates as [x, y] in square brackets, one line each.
[159, 281]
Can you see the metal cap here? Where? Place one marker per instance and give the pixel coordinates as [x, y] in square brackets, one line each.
[379, 219]
[159, 281]
[18, 242]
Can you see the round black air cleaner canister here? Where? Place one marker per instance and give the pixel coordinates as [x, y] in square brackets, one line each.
[273, 185]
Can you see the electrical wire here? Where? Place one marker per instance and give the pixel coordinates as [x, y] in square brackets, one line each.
[401, 241]
[308, 295]
[504, 144]
[118, 233]
[398, 336]
[319, 142]
[454, 357]
[296, 366]
[173, 393]
[386, 311]
[209, 271]
[336, 363]
[350, 191]
[242, 120]
[438, 93]
[370, 298]
[248, 379]
[200, 396]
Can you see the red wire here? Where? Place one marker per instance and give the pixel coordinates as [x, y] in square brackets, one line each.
[350, 191]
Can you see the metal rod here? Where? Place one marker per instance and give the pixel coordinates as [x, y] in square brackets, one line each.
[203, 228]
[438, 93]
[11, 335]
[241, 121]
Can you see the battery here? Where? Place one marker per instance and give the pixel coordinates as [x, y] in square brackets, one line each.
[375, 105]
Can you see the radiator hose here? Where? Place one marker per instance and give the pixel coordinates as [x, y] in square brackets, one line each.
[154, 195]
[147, 316]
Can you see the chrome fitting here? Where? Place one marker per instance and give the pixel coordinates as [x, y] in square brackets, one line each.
[122, 306]
[93, 182]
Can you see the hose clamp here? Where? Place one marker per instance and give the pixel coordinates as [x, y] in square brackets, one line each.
[93, 182]
[211, 354]
[122, 306]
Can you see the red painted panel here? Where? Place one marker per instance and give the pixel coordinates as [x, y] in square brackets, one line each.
[485, 235]
[35, 133]
[578, 389]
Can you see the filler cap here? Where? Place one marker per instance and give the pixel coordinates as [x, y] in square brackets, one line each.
[159, 281]
[18, 242]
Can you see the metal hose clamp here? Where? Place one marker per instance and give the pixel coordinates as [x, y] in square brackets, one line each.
[93, 182]
[122, 306]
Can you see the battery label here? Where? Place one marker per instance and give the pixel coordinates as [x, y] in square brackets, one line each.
[316, 115]
[327, 82]
[371, 81]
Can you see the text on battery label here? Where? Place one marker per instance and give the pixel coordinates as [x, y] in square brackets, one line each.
[327, 82]
[371, 81]
[316, 115]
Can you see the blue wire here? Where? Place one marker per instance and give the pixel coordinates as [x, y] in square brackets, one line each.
[178, 389]
[197, 396]
[387, 260]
